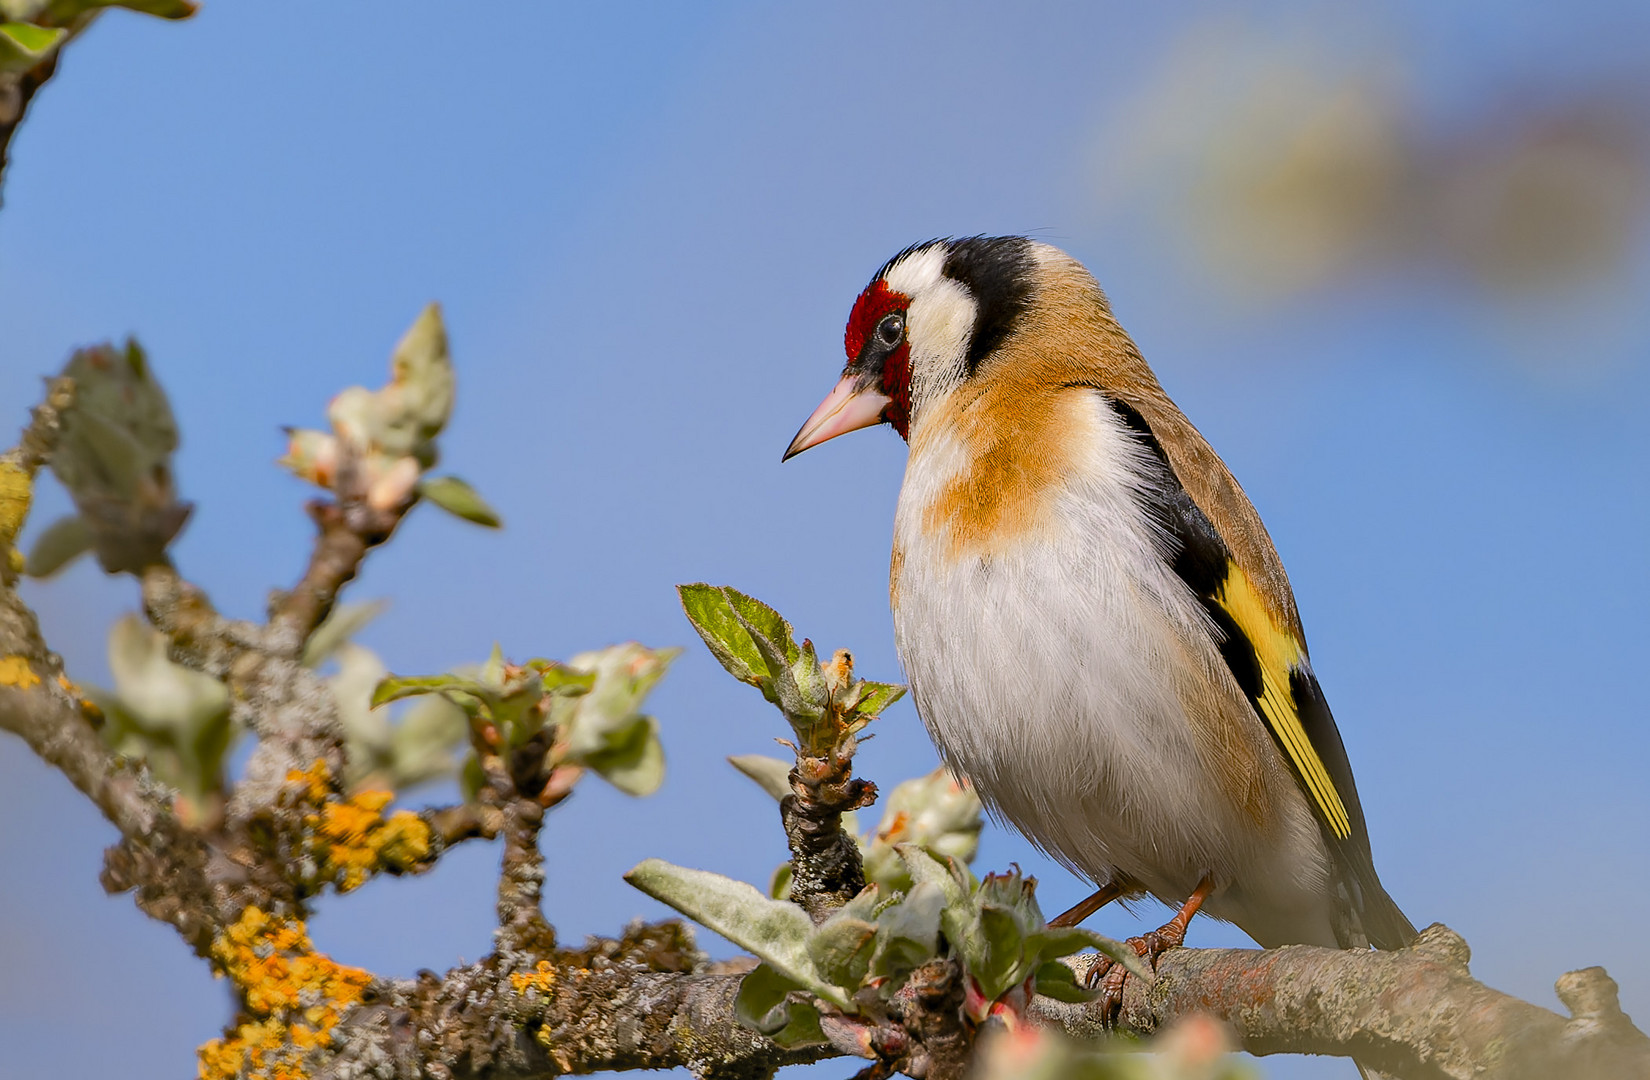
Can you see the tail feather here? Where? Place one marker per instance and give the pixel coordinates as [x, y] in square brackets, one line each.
[1384, 923]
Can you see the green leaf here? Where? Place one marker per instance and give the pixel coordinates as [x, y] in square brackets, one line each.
[999, 964]
[459, 499]
[841, 949]
[162, 694]
[605, 730]
[63, 10]
[1056, 980]
[176, 718]
[344, 623]
[471, 777]
[814, 691]
[1053, 942]
[958, 916]
[779, 886]
[562, 679]
[779, 657]
[58, 545]
[516, 712]
[23, 45]
[492, 672]
[908, 935]
[772, 774]
[764, 1004]
[423, 742]
[467, 694]
[414, 407]
[367, 729]
[772, 930]
[710, 609]
[635, 762]
[874, 697]
[165, 9]
[935, 811]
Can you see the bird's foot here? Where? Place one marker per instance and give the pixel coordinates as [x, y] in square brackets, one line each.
[1109, 977]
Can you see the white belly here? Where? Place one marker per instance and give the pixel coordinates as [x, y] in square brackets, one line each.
[1054, 673]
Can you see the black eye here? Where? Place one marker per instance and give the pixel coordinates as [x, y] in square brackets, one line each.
[891, 330]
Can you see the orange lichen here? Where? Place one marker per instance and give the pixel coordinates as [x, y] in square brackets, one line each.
[88, 707]
[351, 839]
[316, 781]
[15, 671]
[543, 979]
[292, 998]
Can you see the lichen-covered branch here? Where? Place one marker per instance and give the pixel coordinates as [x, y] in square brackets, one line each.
[1415, 1013]
[644, 1001]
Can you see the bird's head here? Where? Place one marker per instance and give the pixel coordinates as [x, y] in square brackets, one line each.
[923, 326]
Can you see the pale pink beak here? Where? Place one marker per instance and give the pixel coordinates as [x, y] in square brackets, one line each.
[848, 407]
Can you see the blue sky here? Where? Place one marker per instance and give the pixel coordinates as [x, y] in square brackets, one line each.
[646, 224]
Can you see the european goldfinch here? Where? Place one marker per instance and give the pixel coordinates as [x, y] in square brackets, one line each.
[1096, 628]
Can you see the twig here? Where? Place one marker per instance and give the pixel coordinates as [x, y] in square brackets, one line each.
[826, 870]
[39, 438]
[201, 638]
[348, 527]
[451, 825]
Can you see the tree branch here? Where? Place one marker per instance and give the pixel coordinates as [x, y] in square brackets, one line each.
[1416, 1012]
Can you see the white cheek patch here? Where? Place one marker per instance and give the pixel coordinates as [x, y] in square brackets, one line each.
[940, 322]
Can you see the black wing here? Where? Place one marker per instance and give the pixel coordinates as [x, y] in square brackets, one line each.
[1270, 664]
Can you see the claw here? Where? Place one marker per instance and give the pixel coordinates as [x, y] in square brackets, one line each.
[1109, 977]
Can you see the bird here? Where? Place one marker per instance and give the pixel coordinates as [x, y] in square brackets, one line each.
[1097, 630]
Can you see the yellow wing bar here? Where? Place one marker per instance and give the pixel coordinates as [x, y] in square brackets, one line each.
[1277, 652]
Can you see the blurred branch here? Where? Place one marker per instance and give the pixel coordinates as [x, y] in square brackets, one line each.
[466, 821]
[37, 702]
[348, 527]
[37, 705]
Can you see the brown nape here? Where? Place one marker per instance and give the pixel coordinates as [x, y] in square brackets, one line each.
[1070, 338]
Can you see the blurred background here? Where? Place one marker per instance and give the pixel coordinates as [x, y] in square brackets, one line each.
[1392, 259]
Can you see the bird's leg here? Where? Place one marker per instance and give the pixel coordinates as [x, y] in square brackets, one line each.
[1108, 976]
[1084, 908]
